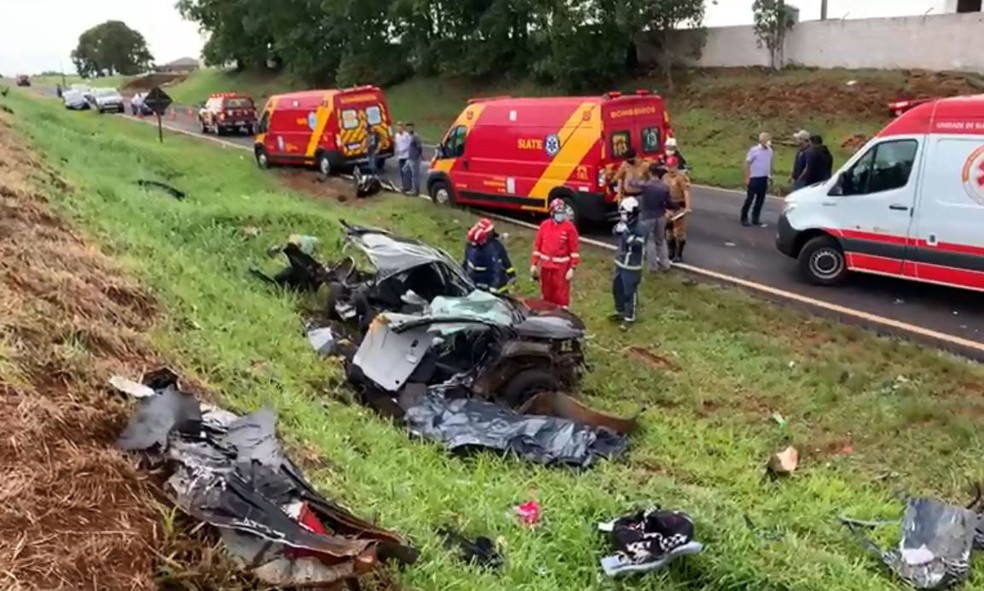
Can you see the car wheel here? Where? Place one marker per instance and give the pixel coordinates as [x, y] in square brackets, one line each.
[822, 262]
[441, 194]
[527, 384]
[262, 158]
[324, 164]
[201, 123]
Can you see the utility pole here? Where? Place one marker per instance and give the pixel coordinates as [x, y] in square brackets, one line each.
[823, 10]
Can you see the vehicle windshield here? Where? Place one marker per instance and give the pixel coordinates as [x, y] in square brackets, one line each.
[239, 103]
[105, 92]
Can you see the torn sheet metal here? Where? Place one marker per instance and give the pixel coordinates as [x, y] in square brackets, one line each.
[464, 424]
[934, 552]
[392, 255]
[231, 473]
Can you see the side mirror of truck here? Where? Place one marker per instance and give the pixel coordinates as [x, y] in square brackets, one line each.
[837, 190]
[441, 151]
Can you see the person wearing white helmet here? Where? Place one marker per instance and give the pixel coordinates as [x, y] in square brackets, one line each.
[673, 154]
[628, 262]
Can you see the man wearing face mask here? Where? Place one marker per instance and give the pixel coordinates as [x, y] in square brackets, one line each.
[628, 261]
[555, 255]
[673, 155]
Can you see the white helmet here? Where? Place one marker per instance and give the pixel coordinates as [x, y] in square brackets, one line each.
[671, 142]
[628, 206]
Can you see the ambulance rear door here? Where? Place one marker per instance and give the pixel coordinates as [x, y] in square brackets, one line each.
[358, 110]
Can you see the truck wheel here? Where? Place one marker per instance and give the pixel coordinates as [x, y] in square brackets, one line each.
[324, 164]
[262, 158]
[527, 384]
[822, 262]
[440, 194]
[204, 127]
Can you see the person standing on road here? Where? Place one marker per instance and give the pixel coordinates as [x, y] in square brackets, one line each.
[758, 173]
[680, 208]
[654, 203]
[415, 153]
[802, 138]
[556, 255]
[372, 148]
[402, 149]
[819, 162]
[628, 262]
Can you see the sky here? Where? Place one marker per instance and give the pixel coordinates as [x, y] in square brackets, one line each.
[39, 35]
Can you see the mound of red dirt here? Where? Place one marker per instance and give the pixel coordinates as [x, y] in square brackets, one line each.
[761, 94]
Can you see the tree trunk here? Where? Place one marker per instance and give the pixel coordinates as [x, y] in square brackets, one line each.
[666, 58]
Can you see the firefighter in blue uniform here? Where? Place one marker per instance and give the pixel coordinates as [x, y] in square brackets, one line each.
[486, 260]
[628, 262]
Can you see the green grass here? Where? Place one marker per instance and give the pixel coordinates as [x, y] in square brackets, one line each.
[911, 414]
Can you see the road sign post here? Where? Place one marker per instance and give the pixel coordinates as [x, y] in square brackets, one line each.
[158, 101]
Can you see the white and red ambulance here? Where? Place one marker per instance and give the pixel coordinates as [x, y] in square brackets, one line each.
[909, 204]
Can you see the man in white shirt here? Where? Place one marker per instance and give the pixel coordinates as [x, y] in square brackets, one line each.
[402, 154]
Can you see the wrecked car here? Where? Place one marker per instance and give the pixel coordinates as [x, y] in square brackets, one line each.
[495, 346]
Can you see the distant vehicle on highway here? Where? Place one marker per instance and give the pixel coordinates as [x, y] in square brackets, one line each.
[74, 100]
[85, 89]
[138, 106]
[522, 153]
[108, 100]
[326, 128]
[23, 80]
[908, 205]
[227, 112]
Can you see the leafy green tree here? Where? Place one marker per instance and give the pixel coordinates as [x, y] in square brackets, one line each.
[111, 48]
[773, 21]
[666, 16]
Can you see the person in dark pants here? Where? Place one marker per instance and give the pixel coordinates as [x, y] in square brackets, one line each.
[802, 138]
[819, 162]
[372, 148]
[758, 173]
[628, 262]
[415, 153]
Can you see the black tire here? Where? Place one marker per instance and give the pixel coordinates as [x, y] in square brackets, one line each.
[262, 158]
[441, 194]
[822, 262]
[201, 123]
[527, 384]
[324, 163]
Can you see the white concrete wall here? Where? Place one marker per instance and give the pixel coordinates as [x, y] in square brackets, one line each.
[934, 42]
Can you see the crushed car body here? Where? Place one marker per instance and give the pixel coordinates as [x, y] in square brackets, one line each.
[231, 472]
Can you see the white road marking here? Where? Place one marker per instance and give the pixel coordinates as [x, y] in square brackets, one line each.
[759, 287]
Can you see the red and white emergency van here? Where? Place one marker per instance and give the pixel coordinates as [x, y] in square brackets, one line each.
[909, 204]
[521, 153]
[325, 128]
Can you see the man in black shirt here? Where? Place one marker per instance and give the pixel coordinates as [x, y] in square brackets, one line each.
[802, 138]
[819, 162]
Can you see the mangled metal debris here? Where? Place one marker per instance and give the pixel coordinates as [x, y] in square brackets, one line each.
[934, 552]
[231, 472]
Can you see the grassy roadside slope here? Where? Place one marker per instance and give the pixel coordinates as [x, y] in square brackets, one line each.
[869, 415]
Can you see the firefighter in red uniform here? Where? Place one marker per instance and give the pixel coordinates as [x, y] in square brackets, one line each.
[555, 255]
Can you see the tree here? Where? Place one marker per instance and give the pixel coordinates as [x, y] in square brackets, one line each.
[111, 48]
[773, 21]
[665, 17]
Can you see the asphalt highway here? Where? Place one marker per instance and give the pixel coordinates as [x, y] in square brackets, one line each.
[718, 244]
